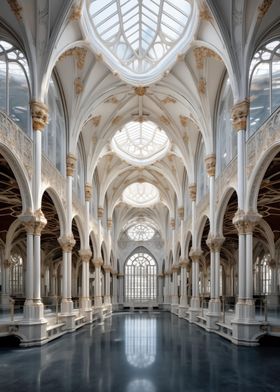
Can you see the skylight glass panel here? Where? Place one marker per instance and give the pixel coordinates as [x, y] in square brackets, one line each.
[140, 143]
[140, 232]
[141, 194]
[140, 25]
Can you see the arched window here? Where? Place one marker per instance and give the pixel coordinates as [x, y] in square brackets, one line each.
[16, 275]
[79, 179]
[202, 180]
[14, 85]
[264, 84]
[54, 137]
[265, 275]
[226, 140]
[140, 278]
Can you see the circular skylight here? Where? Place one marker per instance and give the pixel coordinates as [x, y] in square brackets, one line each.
[141, 194]
[140, 232]
[141, 37]
[140, 143]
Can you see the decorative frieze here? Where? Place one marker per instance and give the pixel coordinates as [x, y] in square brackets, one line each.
[210, 163]
[239, 115]
[70, 164]
[39, 113]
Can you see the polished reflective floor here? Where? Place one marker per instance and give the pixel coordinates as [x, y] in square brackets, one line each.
[140, 352]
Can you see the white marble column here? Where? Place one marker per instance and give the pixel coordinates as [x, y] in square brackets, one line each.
[85, 302]
[67, 243]
[97, 283]
[107, 296]
[115, 288]
[195, 256]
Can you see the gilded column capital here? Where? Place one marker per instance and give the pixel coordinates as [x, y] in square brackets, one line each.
[88, 191]
[239, 115]
[192, 191]
[210, 164]
[28, 221]
[181, 213]
[39, 113]
[70, 164]
[172, 223]
[215, 243]
[85, 255]
[245, 222]
[98, 262]
[100, 212]
[39, 222]
[183, 263]
[174, 267]
[67, 243]
[109, 223]
[195, 254]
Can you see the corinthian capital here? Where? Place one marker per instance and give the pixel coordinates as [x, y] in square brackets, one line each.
[239, 115]
[70, 164]
[210, 163]
[39, 113]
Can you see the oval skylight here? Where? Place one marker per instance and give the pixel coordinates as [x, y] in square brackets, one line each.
[141, 194]
[140, 143]
[141, 37]
[140, 232]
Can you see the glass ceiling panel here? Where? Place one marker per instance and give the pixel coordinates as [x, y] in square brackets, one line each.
[137, 26]
[141, 194]
[140, 143]
[140, 232]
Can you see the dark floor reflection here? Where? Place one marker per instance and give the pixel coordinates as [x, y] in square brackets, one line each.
[140, 353]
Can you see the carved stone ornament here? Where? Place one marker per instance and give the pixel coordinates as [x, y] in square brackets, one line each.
[96, 120]
[210, 163]
[239, 115]
[39, 222]
[181, 213]
[184, 120]
[215, 243]
[98, 262]
[202, 86]
[100, 212]
[116, 120]
[112, 99]
[16, 8]
[164, 120]
[7, 263]
[88, 192]
[184, 263]
[78, 53]
[174, 267]
[39, 113]
[172, 223]
[204, 14]
[76, 12]
[109, 224]
[192, 191]
[167, 100]
[263, 8]
[70, 164]
[85, 255]
[202, 53]
[195, 254]
[107, 268]
[140, 90]
[67, 243]
[79, 86]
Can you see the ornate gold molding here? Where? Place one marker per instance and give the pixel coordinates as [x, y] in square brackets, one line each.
[263, 8]
[167, 100]
[79, 85]
[184, 120]
[140, 90]
[16, 8]
[100, 212]
[39, 113]
[88, 192]
[239, 115]
[202, 53]
[39, 222]
[192, 191]
[210, 163]
[181, 212]
[70, 164]
[67, 243]
[78, 53]
[164, 120]
[76, 12]
[109, 224]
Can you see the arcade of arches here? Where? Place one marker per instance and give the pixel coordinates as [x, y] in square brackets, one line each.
[140, 164]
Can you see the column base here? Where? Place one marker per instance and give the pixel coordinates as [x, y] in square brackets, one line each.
[30, 333]
[33, 312]
[107, 300]
[213, 314]
[194, 310]
[66, 307]
[69, 320]
[245, 311]
[97, 302]
[246, 333]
